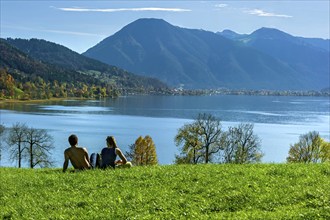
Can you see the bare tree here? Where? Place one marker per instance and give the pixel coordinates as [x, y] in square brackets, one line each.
[2, 131]
[210, 133]
[201, 139]
[16, 142]
[33, 145]
[130, 153]
[39, 146]
[242, 145]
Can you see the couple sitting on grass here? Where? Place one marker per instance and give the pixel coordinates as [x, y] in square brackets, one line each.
[80, 160]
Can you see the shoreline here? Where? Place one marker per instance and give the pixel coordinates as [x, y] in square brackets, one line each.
[190, 93]
[41, 100]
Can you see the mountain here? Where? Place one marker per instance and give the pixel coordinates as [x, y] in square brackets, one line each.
[60, 57]
[24, 68]
[231, 34]
[308, 56]
[317, 42]
[202, 59]
[272, 34]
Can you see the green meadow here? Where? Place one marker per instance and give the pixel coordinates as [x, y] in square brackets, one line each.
[224, 191]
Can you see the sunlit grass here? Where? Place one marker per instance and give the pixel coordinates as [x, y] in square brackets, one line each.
[263, 191]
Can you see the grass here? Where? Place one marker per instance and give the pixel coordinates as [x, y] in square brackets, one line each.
[261, 191]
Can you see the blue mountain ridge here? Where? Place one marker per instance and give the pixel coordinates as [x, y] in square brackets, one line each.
[266, 59]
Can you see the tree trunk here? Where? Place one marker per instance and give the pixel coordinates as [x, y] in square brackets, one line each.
[31, 156]
[207, 155]
[19, 156]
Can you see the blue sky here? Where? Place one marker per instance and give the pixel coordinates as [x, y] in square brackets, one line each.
[80, 25]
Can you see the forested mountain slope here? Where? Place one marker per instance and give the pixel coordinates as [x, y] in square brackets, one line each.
[25, 76]
[64, 57]
[203, 59]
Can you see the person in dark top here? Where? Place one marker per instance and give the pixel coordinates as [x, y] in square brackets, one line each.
[109, 155]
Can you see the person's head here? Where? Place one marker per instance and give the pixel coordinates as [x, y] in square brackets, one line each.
[111, 142]
[73, 140]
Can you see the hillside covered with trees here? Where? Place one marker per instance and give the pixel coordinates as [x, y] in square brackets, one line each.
[45, 70]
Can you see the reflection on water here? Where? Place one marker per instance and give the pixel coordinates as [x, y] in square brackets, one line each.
[84, 109]
[278, 120]
[259, 113]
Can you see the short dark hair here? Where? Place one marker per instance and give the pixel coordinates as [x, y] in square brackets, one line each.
[73, 139]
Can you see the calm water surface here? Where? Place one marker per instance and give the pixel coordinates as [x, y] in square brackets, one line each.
[278, 120]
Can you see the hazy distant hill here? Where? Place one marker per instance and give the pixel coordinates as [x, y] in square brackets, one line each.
[61, 57]
[271, 34]
[202, 59]
[308, 56]
[317, 42]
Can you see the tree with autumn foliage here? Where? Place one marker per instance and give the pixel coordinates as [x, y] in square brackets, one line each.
[143, 152]
[310, 148]
[7, 85]
[191, 149]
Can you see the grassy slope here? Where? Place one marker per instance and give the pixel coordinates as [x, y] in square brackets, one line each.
[265, 191]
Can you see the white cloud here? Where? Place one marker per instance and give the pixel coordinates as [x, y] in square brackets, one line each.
[52, 31]
[221, 5]
[74, 33]
[262, 13]
[123, 9]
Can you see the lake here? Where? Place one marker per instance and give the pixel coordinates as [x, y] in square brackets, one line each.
[278, 120]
